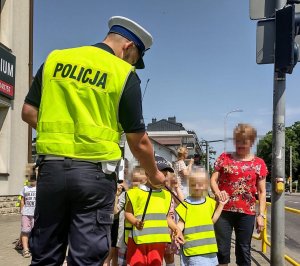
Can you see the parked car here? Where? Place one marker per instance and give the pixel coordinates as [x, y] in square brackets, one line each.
[268, 192]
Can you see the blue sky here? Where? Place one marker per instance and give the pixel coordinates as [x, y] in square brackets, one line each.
[201, 66]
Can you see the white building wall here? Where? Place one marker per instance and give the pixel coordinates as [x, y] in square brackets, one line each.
[14, 33]
[158, 149]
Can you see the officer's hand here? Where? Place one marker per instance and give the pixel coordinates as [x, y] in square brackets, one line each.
[157, 181]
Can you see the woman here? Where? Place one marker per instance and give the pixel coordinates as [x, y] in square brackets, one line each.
[181, 170]
[240, 175]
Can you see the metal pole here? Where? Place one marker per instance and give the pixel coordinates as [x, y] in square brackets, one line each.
[291, 167]
[207, 157]
[278, 164]
[278, 171]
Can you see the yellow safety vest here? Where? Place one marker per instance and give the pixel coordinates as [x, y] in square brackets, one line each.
[156, 227]
[198, 231]
[78, 114]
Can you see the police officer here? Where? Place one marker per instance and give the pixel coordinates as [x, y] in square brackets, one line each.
[80, 102]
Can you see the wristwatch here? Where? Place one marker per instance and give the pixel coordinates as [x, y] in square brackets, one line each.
[262, 215]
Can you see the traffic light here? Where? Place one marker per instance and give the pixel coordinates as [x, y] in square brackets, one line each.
[286, 49]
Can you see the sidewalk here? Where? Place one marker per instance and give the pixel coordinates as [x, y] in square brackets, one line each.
[10, 230]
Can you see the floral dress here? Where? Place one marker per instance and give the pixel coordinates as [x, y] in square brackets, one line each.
[239, 179]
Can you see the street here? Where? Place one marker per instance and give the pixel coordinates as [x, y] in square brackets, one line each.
[292, 225]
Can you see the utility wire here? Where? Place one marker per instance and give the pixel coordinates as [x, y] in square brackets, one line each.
[145, 89]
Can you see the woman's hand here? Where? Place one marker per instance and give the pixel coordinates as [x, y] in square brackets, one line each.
[222, 196]
[260, 223]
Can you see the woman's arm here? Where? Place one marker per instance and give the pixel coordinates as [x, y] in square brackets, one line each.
[220, 195]
[261, 190]
[214, 182]
[186, 171]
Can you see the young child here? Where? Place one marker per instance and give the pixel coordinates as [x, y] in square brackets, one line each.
[27, 210]
[138, 176]
[112, 259]
[197, 220]
[173, 184]
[18, 245]
[147, 212]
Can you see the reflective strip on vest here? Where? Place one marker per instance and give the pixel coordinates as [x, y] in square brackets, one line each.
[197, 229]
[150, 231]
[153, 216]
[199, 242]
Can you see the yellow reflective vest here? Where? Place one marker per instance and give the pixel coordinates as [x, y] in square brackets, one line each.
[155, 227]
[198, 231]
[78, 114]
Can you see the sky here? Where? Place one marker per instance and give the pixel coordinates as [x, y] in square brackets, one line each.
[201, 67]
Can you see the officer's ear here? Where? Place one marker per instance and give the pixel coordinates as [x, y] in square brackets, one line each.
[128, 45]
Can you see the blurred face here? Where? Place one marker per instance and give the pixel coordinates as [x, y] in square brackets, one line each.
[198, 185]
[138, 177]
[32, 183]
[171, 180]
[243, 146]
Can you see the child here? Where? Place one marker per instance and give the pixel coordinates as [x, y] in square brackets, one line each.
[19, 245]
[112, 258]
[197, 220]
[147, 212]
[27, 210]
[137, 177]
[173, 184]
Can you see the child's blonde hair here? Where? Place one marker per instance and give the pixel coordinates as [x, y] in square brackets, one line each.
[181, 152]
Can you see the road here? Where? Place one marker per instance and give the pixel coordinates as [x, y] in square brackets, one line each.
[292, 225]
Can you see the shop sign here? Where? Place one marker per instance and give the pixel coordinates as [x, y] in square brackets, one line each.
[7, 73]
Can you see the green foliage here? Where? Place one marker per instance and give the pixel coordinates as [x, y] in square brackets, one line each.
[292, 139]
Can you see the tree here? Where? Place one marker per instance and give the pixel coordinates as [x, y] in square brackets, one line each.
[292, 139]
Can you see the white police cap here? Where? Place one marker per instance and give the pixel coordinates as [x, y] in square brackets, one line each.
[133, 32]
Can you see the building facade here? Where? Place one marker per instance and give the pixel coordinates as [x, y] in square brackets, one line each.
[172, 134]
[14, 83]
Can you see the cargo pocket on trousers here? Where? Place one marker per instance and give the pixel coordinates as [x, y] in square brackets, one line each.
[104, 223]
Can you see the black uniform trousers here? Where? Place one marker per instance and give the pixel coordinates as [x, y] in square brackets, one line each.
[74, 208]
